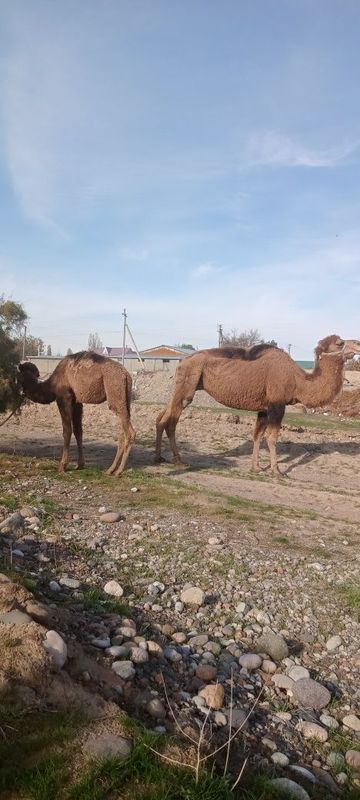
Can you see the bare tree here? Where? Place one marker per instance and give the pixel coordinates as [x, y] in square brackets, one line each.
[94, 341]
[242, 338]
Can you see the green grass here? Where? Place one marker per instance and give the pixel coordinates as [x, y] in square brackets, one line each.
[351, 594]
[9, 502]
[95, 600]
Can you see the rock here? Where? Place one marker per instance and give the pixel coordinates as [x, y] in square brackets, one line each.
[324, 779]
[199, 640]
[294, 791]
[303, 773]
[12, 524]
[172, 655]
[111, 516]
[352, 722]
[126, 631]
[240, 608]
[310, 730]
[238, 718]
[179, 607]
[56, 647]
[220, 719]
[333, 643]
[138, 655]
[310, 694]
[272, 644]
[155, 649]
[283, 681]
[352, 758]
[117, 651]
[280, 759]
[134, 489]
[156, 709]
[268, 666]
[213, 695]
[335, 759]
[250, 661]
[297, 672]
[179, 637]
[102, 642]
[107, 745]
[27, 512]
[328, 721]
[38, 613]
[114, 589]
[342, 778]
[124, 669]
[15, 617]
[71, 583]
[206, 672]
[193, 596]
[54, 586]
[269, 744]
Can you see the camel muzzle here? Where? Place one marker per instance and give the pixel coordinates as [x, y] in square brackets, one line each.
[351, 348]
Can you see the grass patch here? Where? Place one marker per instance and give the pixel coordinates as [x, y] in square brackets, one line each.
[351, 594]
[9, 502]
[95, 600]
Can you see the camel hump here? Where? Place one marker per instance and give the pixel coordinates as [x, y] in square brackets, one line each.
[242, 353]
[86, 355]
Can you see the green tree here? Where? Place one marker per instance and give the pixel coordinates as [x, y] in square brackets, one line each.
[12, 317]
[48, 350]
[69, 351]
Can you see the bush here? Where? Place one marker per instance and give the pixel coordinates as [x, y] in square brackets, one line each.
[9, 359]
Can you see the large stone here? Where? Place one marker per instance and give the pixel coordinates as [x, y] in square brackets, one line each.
[38, 613]
[250, 661]
[111, 516]
[206, 672]
[156, 709]
[213, 695]
[56, 647]
[239, 718]
[107, 745]
[297, 672]
[193, 596]
[70, 583]
[333, 643]
[310, 730]
[292, 789]
[114, 589]
[12, 524]
[310, 694]
[274, 645]
[124, 669]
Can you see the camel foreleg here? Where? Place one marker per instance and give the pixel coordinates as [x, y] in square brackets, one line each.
[259, 432]
[168, 420]
[65, 407]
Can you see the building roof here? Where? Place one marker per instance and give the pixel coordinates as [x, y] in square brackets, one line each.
[185, 351]
[114, 352]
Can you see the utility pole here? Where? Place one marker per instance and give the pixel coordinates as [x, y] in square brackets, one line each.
[289, 348]
[220, 333]
[124, 336]
[24, 344]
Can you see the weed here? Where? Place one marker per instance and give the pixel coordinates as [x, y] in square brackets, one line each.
[351, 594]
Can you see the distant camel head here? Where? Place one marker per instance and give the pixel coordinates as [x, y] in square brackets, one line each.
[332, 345]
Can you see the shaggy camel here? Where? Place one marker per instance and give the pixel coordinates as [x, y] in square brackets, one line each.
[262, 378]
[83, 378]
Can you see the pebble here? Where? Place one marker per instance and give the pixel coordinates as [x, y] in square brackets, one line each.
[38, 613]
[352, 722]
[101, 642]
[311, 694]
[111, 516]
[333, 643]
[179, 607]
[310, 730]
[238, 718]
[303, 773]
[156, 709]
[280, 759]
[268, 666]
[138, 655]
[335, 759]
[240, 608]
[71, 583]
[342, 778]
[193, 596]
[134, 489]
[220, 719]
[269, 744]
[124, 669]
[114, 589]
[297, 672]
[328, 721]
[56, 647]
[54, 586]
[117, 651]
[294, 791]
[213, 695]
[283, 681]
[206, 672]
[250, 661]
[154, 648]
[274, 645]
[107, 745]
[199, 640]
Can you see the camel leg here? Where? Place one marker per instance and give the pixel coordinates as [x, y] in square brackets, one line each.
[119, 401]
[77, 413]
[259, 432]
[65, 407]
[275, 415]
[168, 421]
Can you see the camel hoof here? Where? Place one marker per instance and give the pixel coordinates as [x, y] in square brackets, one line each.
[80, 466]
[62, 469]
[159, 460]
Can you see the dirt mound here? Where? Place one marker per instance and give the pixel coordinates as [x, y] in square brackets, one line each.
[157, 387]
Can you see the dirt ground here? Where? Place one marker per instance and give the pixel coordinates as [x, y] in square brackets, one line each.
[319, 455]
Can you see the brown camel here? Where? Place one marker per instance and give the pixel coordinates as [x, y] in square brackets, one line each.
[83, 378]
[262, 378]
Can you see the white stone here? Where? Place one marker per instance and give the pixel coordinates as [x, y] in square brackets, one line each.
[298, 672]
[310, 730]
[124, 669]
[250, 661]
[352, 722]
[114, 589]
[280, 758]
[268, 666]
[193, 595]
[71, 583]
[328, 721]
[333, 643]
[56, 647]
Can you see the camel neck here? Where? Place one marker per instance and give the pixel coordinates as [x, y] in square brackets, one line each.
[41, 391]
[325, 382]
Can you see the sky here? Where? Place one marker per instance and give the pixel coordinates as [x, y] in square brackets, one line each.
[194, 162]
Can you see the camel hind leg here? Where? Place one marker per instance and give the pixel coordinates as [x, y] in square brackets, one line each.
[275, 415]
[259, 432]
[65, 406]
[119, 399]
[77, 413]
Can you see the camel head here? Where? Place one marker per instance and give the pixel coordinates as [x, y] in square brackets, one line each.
[28, 375]
[335, 345]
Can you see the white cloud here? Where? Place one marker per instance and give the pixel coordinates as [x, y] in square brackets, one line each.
[205, 271]
[273, 149]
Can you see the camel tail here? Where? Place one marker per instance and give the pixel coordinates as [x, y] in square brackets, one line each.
[128, 393]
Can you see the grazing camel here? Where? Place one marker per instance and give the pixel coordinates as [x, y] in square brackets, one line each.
[83, 378]
[262, 378]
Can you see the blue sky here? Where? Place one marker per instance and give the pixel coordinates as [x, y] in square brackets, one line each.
[196, 162]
